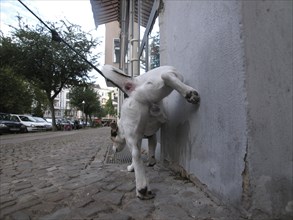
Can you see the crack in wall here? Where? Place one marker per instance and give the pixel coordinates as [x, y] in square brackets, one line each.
[246, 193]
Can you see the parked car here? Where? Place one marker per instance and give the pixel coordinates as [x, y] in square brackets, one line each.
[49, 120]
[29, 122]
[48, 125]
[64, 124]
[76, 124]
[97, 122]
[7, 125]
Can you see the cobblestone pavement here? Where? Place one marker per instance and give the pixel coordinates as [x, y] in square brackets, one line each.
[65, 177]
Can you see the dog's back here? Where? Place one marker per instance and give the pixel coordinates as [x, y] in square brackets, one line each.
[148, 87]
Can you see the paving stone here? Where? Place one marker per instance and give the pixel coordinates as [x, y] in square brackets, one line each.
[73, 185]
[16, 180]
[47, 190]
[43, 184]
[28, 202]
[171, 212]
[44, 208]
[58, 180]
[73, 174]
[22, 185]
[140, 209]
[111, 186]
[13, 173]
[93, 209]
[5, 199]
[19, 215]
[120, 215]
[40, 173]
[91, 180]
[55, 197]
[113, 198]
[5, 182]
[24, 175]
[25, 164]
[17, 207]
[59, 214]
[128, 187]
[84, 201]
[24, 191]
[7, 204]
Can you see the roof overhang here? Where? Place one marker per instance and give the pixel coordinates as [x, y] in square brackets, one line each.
[105, 11]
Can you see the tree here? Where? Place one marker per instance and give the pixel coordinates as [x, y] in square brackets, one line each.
[15, 93]
[155, 51]
[40, 102]
[49, 65]
[32, 99]
[84, 98]
[109, 107]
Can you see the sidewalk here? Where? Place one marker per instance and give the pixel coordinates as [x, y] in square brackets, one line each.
[67, 177]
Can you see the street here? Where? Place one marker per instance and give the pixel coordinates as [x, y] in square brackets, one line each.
[64, 175]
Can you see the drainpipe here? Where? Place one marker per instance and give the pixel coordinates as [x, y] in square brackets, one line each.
[123, 46]
[133, 52]
[138, 34]
[147, 54]
[123, 35]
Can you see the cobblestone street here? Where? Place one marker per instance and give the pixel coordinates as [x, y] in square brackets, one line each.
[64, 176]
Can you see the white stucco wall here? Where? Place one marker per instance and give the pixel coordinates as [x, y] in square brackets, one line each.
[203, 41]
[220, 50]
[268, 49]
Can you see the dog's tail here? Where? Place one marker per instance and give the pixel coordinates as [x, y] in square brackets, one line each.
[118, 77]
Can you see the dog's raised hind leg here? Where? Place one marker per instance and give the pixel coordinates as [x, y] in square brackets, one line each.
[175, 81]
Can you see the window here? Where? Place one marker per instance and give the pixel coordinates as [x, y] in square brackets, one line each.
[56, 103]
[26, 118]
[116, 50]
[67, 105]
[14, 118]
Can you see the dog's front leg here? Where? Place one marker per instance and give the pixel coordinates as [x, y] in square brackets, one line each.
[142, 186]
[130, 168]
[152, 143]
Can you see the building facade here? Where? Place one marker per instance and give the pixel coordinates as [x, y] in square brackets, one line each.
[63, 109]
[112, 43]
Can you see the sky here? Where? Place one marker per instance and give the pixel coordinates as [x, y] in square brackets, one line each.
[75, 11]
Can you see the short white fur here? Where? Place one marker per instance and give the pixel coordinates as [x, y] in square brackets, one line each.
[142, 115]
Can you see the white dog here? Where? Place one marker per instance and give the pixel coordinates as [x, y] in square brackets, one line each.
[142, 114]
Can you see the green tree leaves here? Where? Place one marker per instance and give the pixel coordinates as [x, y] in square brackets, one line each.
[16, 95]
[109, 108]
[85, 98]
[43, 64]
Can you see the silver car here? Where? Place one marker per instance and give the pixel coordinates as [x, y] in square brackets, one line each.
[30, 123]
[48, 125]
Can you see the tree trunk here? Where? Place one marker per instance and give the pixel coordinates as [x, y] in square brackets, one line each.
[51, 105]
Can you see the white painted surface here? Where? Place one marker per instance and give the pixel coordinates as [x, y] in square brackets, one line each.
[239, 56]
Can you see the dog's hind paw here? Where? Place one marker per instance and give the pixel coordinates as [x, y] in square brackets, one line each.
[192, 97]
[149, 164]
[144, 194]
[152, 162]
[130, 168]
